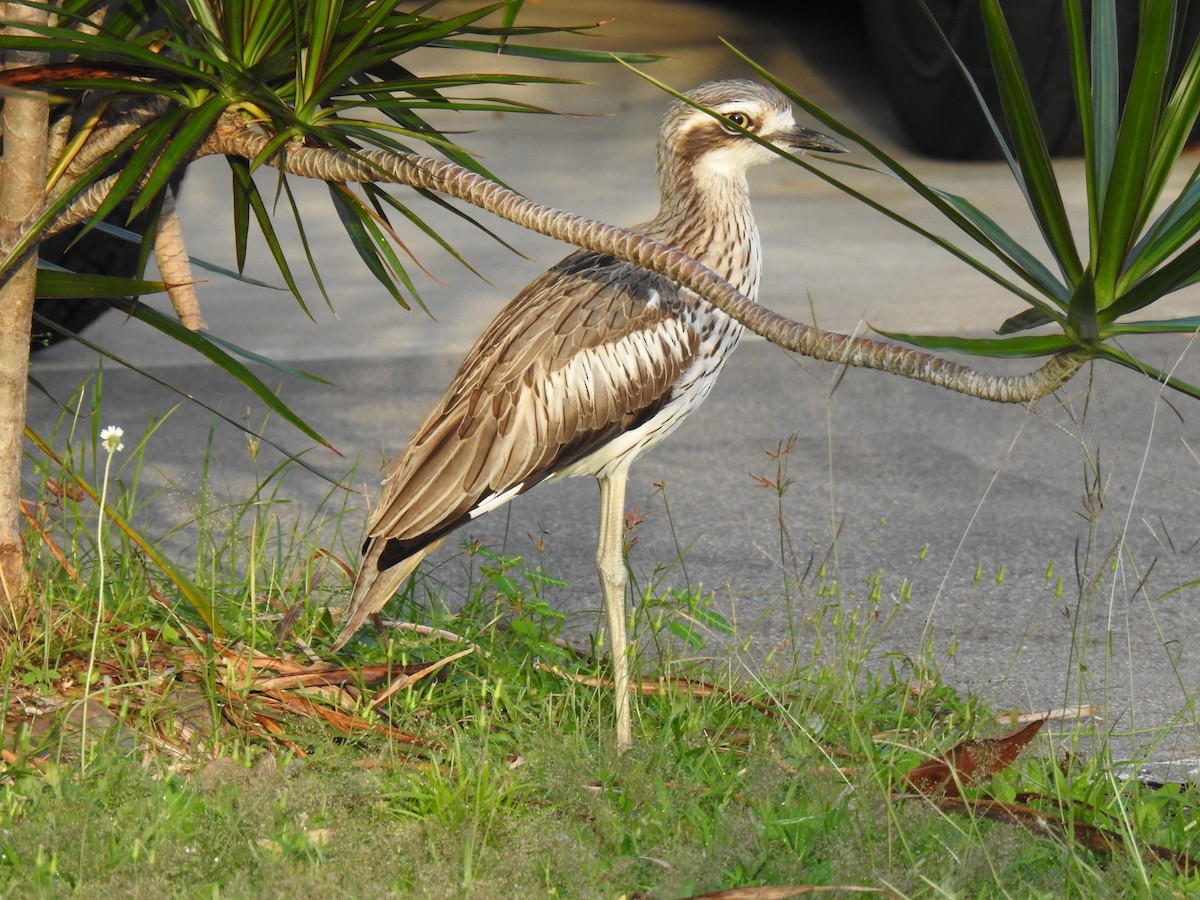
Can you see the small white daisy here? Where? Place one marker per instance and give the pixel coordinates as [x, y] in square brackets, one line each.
[110, 438]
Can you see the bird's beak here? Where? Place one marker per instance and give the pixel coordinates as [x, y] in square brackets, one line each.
[800, 138]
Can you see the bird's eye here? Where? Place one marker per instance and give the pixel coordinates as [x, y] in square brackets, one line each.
[739, 119]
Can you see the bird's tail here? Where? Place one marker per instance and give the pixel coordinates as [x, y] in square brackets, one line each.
[374, 588]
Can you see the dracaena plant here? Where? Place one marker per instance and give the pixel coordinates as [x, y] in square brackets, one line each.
[115, 99]
[1140, 246]
[158, 78]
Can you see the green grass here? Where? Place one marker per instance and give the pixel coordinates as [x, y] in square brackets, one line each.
[195, 780]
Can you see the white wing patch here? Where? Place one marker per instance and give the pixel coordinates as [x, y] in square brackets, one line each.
[491, 501]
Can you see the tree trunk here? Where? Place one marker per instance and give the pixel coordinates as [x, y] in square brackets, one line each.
[23, 126]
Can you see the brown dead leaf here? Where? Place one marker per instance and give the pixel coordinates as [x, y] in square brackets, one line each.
[1046, 824]
[971, 762]
[29, 510]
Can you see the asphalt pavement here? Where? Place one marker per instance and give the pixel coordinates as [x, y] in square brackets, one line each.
[1049, 556]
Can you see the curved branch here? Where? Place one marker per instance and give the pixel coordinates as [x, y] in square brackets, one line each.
[104, 138]
[232, 137]
[462, 184]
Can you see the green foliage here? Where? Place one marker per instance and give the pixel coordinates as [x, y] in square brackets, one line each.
[312, 72]
[1142, 243]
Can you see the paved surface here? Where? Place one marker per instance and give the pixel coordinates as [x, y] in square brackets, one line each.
[963, 518]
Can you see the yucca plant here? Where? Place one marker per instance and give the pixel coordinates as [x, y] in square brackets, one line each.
[264, 82]
[114, 100]
[1134, 254]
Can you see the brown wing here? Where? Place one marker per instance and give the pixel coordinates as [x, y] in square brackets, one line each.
[586, 351]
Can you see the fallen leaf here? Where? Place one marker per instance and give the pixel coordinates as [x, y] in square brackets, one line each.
[971, 762]
[1045, 824]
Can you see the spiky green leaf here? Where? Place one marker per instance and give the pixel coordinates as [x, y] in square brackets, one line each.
[52, 285]
[200, 343]
[1037, 176]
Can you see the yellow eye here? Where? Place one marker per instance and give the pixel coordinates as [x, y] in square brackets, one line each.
[740, 119]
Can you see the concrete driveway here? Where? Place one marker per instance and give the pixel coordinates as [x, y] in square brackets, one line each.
[1048, 556]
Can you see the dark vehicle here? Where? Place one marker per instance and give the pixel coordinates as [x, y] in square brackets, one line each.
[96, 253]
[934, 103]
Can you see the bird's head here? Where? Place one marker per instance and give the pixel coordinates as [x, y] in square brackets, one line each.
[692, 139]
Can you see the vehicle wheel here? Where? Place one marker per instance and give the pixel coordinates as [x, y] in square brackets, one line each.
[933, 102]
[97, 253]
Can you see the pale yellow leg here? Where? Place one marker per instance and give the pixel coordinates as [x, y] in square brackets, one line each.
[610, 562]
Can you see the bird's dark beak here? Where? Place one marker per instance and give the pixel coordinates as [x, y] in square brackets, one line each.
[800, 138]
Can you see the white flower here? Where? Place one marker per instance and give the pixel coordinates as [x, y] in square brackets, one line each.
[110, 438]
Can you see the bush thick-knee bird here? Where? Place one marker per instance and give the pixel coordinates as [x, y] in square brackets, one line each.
[594, 362]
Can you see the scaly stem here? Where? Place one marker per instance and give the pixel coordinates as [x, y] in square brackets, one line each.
[24, 123]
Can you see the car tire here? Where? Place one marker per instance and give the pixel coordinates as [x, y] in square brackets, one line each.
[96, 253]
[933, 102]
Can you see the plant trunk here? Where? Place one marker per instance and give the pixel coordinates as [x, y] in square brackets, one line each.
[24, 129]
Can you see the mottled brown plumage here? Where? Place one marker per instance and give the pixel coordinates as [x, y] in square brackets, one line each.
[589, 365]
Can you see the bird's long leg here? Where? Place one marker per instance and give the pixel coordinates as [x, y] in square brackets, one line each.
[610, 562]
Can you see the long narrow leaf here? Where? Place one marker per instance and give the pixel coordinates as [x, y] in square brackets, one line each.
[1123, 358]
[1012, 248]
[427, 229]
[1029, 143]
[200, 603]
[54, 285]
[302, 232]
[1104, 108]
[1123, 213]
[253, 199]
[1174, 130]
[282, 368]
[153, 139]
[322, 21]
[242, 184]
[983, 105]
[196, 126]
[366, 241]
[1179, 223]
[1027, 319]
[1081, 312]
[1163, 326]
[997, 348]
[548, 53]
[154, 379]
[1180, 271]
[198, 342]
[935, 198]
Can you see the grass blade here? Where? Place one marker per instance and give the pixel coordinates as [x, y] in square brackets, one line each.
[199, 342]
[195, 598]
